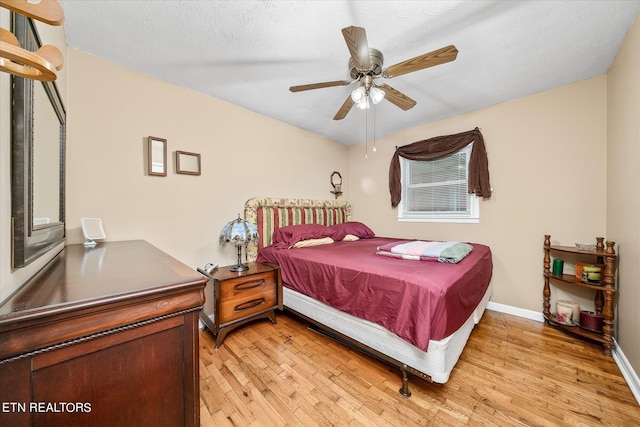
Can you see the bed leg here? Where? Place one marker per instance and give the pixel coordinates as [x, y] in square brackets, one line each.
[404, 391]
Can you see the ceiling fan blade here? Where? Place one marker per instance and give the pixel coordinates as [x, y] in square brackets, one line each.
[356, 38]
[397, 98]
[437, 57]
[320, 85]
[346, 107]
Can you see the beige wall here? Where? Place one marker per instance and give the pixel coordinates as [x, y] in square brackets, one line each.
[623, 189]
[11, 279]
[547, 160]
[113, 109]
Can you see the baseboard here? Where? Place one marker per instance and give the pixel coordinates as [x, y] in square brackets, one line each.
[627, 371]
[630, 376]
[520, 312]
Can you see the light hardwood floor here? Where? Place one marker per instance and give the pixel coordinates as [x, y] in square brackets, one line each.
[513, 372]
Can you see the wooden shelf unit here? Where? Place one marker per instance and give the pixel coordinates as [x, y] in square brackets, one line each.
[604, 290]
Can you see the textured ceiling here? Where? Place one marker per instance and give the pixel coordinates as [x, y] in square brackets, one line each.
[248, 53]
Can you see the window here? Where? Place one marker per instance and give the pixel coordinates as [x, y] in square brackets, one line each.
[436, 190]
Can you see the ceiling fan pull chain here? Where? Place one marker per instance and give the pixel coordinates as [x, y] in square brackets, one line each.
[366, 133]
[374, 127]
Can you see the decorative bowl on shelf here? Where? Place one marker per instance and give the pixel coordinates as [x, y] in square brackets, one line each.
[586, 247]
[591, 321]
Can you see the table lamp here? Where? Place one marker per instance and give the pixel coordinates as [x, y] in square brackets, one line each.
[239, 232]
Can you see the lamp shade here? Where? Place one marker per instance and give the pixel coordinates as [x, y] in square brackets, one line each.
[359, 95]
[239, 232]
[377, 94]
[364, 104]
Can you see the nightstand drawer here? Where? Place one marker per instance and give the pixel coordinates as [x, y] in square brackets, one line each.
[246, 296]
[247, 285]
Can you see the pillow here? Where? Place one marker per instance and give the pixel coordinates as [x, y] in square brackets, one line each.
[287, 236]
[350, 238]
[357, 229]
[313, 242]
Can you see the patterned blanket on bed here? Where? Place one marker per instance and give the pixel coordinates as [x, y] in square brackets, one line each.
[449, 252]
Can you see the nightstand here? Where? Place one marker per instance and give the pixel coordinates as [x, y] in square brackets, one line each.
[235, 298]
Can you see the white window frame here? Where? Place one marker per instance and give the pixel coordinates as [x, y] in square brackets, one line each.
[473, 216]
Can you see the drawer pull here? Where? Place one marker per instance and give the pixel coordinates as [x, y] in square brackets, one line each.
[248, 285]
[249, 304]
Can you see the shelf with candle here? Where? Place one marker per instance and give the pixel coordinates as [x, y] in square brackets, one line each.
[603, 270]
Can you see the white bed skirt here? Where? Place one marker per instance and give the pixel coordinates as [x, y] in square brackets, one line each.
[438, 362]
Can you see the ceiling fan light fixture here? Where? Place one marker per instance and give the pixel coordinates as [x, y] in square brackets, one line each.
[364, 104]
[359, 95]
[377, 94]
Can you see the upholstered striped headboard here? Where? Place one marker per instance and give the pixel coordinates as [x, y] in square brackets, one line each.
[269, 214]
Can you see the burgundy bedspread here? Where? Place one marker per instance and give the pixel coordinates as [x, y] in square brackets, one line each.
[417, 301]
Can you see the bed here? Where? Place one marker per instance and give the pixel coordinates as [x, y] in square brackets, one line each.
[424, 311]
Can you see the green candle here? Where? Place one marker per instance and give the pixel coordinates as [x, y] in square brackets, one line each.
[558, 266]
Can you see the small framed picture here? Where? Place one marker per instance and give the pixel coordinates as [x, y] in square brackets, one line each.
[157, 156]
[187, 163]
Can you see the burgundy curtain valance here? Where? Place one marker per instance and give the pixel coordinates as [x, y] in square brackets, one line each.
[437, 148]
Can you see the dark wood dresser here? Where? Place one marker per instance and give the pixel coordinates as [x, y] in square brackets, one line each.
[103, 336]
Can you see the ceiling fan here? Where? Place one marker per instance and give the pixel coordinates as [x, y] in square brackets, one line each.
[365, 66]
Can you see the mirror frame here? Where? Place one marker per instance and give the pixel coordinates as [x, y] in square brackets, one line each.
[31, 241]
[187, 163]
[153, 160]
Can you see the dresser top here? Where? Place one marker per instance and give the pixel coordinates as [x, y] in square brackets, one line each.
[108, 272]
